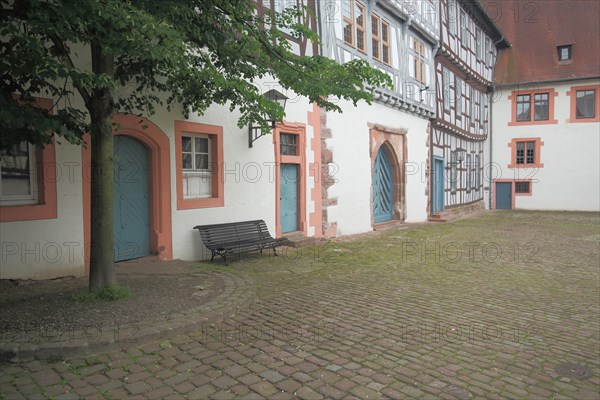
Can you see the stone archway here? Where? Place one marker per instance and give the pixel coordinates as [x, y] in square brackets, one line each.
[393, 144]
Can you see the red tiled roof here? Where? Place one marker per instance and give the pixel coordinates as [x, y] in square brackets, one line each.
[536, 31]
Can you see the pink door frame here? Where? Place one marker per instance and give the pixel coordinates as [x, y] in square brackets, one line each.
[157, 142]
[298, 129]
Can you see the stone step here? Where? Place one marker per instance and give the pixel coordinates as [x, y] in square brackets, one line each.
[299, 240]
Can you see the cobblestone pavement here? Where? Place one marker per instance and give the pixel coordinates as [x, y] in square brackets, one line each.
[501, 306]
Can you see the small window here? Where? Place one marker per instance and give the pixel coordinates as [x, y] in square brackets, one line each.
[564, 53]
[375, 36]
[523, 107]
[464, 32]
[490, 52]
[446, 90]
[586, 104]
[482, 105]
[359, 15]
[474, 109]
[525, 153]
[348, 22]
[385, 42]
[478, 44]
[469, 173]
[288, 144]
[17, 169]
[419, 60]
[477, 172]
[452, 16]
[196, 166]
[453, 171]
[459, 95]
[521, 187]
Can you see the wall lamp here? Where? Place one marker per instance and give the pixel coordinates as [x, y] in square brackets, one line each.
[254, 132]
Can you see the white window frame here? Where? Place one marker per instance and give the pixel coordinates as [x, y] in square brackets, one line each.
[477, 171]
[478, 44]
[453, 171]
[32, 197]
[446, 83]
[206, 174]
[419, 51]
[464, 29]
[458, 94]
[469, 172]
[452, 17]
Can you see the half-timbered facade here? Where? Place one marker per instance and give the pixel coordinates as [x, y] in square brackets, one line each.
[464, 66]
[374, 155]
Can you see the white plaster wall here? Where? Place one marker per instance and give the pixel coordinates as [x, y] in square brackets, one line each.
[351, 156]
[249, 186]
[570, 178]
[49, 248]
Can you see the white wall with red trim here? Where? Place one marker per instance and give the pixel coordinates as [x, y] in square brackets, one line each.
[352, 159]
[570, 176]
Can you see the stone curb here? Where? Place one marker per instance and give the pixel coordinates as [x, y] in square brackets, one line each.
[239, 293]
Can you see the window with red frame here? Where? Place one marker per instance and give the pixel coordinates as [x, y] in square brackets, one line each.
[540, 110]
[585, 105]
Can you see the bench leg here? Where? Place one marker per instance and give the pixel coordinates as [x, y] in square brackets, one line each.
[213, 255]
[274, 251]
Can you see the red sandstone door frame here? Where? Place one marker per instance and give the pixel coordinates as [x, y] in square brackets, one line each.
[158, 145]
[299, 159]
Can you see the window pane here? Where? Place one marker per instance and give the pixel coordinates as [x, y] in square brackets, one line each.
[360, 40]
[541, 106]
[288, 144]
[186, 143]
[586, 103]
[530, 152]
[521, 187]
[186, 161]
[520, 153]
[347, 33]
[375, 48]
[346, 11]
[384, 32]
[375, 25]
[523, 108]
[358, 14]
[201, 162]
[15, 168]
[201, 145]
[385, 54]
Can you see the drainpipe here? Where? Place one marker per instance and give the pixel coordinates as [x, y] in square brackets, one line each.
[491, 146]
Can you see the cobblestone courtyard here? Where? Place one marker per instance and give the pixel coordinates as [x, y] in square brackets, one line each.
[505, 305]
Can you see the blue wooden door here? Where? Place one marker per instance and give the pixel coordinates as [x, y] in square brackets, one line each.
[503, 195]
[438, 185]
[130, 199]
[288, 198]
[382, 188]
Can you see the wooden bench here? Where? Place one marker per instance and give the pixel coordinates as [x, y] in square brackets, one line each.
[235, 237]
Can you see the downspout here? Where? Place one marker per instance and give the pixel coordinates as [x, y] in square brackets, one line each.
[431, 127]
[491, 147]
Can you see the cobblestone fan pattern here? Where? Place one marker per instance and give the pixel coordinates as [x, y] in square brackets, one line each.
[488, 308]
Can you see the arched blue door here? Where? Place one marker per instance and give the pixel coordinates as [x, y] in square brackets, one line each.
[130, 199]
[383, 209]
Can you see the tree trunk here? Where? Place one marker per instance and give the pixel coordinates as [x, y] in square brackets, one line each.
[102, 252]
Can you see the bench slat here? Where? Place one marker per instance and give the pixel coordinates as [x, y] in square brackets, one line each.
[227, 238]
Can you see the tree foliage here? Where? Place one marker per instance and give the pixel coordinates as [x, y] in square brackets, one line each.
[168, 53]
